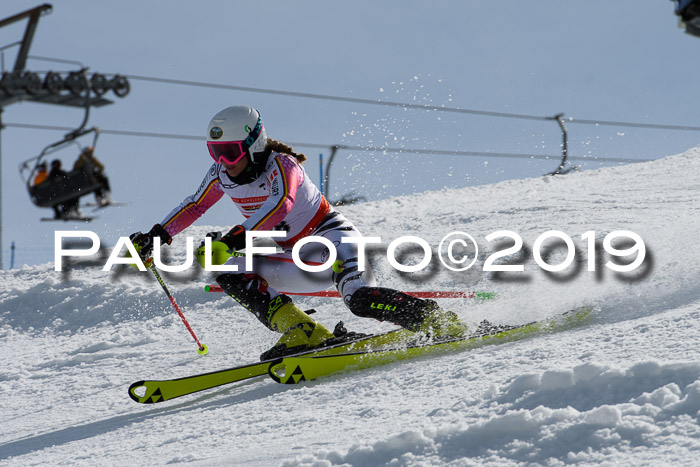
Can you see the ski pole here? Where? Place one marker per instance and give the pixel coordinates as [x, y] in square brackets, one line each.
[202, 349]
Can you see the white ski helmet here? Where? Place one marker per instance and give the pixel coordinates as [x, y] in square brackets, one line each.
[235, 132]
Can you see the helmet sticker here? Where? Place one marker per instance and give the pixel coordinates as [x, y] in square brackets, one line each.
[216, 132]
[254, 133]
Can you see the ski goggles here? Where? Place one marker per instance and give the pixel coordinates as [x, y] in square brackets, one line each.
[228, 152]
[231, 152]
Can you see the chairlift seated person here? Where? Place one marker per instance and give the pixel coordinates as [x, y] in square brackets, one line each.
[87, 159]
[62, 190]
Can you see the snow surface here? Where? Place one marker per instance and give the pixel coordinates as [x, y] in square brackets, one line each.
[623, 388]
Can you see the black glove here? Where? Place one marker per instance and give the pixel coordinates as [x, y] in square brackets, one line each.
[235, 238]
[144, 242]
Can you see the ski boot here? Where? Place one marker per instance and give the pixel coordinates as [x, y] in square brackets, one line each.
[340, 336]
[277, 313]
[414, 314]
[299, 332]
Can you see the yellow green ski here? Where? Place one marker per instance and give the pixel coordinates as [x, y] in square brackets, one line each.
[153, 391]
[295, 369]
[365, 352]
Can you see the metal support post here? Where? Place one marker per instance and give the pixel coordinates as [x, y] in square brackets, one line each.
[327, 178]
[320, 172]
[564, 148]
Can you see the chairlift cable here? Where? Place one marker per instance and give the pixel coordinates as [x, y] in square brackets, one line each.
[358, 100]
[346, 147]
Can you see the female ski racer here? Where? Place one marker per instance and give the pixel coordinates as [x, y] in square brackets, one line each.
[267, 183]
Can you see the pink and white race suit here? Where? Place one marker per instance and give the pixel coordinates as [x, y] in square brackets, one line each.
[281, 198]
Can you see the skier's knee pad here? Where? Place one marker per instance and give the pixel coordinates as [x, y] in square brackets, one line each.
[251, 291]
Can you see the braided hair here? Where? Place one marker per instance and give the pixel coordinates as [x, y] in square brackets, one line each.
[254, 169]
[277, 146]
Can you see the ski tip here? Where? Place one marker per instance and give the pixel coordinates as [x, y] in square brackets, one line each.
[133, 395]
[283, 372]
[146, 392]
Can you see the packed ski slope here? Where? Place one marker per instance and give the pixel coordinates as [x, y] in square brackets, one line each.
[623, 388]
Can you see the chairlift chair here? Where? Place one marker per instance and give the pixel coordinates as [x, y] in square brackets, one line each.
[76, 184]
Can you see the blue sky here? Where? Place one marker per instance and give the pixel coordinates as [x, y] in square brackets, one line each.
[598, 60]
